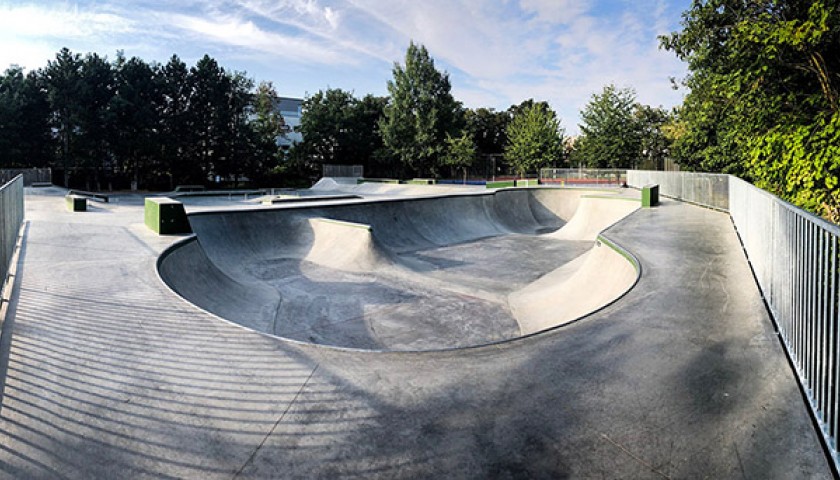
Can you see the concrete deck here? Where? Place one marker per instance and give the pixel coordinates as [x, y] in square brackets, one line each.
[111, 375]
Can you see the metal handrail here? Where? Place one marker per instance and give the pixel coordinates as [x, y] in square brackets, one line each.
[11, 218]
[795, 257]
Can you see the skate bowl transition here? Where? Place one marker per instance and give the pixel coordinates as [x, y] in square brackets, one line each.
[408, 274]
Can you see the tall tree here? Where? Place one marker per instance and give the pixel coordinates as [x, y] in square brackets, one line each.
[208, 111]
[135, 109]
[267, 125]
[610, 135]
[655, 143]
[420, 114]
[366, 115]
[764, 91]
[95, 122]
[338, 128]
[534, 138]
[63, 79]
[488, 129]
[24, 120]
[176, 132]
[460, 153]
[326, 126]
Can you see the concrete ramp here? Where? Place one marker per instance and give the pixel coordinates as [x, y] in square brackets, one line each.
[406, 274]
[574, 290]
[594, 214]
[344, 246]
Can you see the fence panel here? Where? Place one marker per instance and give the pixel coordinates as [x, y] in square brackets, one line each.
[11, 218]
[583, 177]
[356, 171]
[794, 255]
[30, 175]
[707, 189]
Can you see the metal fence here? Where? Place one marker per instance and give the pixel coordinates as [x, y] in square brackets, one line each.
[583, 176]
[796, 260]
[30, 175]
[707, 189]
[11, 218]
[356, 171]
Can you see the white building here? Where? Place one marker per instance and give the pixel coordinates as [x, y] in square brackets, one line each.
[290, 108]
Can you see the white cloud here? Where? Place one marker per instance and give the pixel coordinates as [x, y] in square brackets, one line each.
[497, 53]
[555, 11]
[238, 33]
[36, 21]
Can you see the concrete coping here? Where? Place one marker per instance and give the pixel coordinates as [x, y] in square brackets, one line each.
[162, 200]
[343, 223]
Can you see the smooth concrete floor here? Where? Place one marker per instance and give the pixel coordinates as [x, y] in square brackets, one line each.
[111, 375]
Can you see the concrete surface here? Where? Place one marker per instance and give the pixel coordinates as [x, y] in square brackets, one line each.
[407, 274]
[110, 375]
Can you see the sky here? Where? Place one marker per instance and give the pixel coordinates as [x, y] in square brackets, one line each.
[497, 52]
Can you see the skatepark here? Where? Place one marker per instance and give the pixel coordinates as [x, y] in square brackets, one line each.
[412, 332]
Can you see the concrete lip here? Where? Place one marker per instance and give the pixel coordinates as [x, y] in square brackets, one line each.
[408, 274]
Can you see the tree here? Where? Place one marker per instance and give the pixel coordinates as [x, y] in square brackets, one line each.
[338, 128]
[366, 115]
[326, 126]
[177, 137]
[764, 91]
[24, 120]
[460, 152]
[134, 111]
[94, 118]
[63, 79]
[267, 126]
[488, 129]
[609, 133]
[654, 140]
[420, 114]
[535, 138]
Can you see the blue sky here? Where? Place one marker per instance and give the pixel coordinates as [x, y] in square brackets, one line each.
[497, 52]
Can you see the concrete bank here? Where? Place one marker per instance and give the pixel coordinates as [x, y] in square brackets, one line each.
[110, 375]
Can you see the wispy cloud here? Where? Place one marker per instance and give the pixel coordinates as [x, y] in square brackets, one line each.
[497, 52]
[235, 32]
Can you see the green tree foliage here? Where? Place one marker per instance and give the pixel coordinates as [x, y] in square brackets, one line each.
[610, 136]
[534, 138]
[763, 101]
[488, 129]
[652, 125]
[63, 80]
[420, 114]
[461, 153]
[135, 118]
[176, 135]
[341, 129]
[138, 123]
[268, 125]
[95, 120]
[24, 120]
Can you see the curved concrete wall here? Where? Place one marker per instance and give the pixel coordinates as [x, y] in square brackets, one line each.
[244, 265]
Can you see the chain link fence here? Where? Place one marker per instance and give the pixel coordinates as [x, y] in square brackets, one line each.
[571, 177]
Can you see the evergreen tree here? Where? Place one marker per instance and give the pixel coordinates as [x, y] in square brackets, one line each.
[177, 138]
[63, 80]
[25, 139]
[135, 109]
